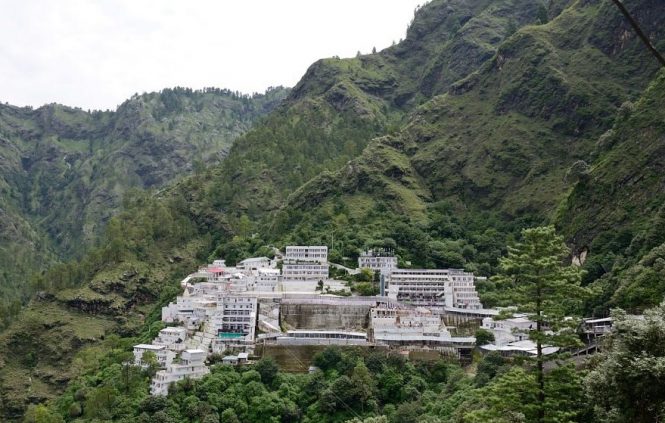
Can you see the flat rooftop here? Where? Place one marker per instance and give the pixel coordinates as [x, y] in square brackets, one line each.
[150, 347]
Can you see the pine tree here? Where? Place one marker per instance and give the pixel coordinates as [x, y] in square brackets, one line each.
[535, 278]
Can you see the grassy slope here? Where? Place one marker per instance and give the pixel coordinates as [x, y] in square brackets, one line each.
[146, 252]
[627, 173]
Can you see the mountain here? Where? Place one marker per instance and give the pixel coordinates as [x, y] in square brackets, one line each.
[64, 172]
[615, 214]
[492, 153]
[326, 120]
[443, 145]
[341, 104]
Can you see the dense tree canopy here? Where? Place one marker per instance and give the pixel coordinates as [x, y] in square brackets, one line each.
[628, 381]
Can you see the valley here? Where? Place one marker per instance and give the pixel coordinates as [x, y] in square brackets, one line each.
[491, 125]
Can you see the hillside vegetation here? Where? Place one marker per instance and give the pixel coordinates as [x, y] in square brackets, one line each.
[496, 152]
[64, 172]
[443, 146]
[616, 212]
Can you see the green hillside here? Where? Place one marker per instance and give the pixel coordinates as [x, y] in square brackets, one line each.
[328, 118]
[443, 145]
[64, 172]
[341, 104]
[616, 212]
[489, 156]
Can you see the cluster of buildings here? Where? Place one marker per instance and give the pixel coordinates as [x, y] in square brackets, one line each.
[223, 307]
[511, 336]
[395, 325]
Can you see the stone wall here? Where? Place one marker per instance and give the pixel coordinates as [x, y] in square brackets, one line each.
[325, 316]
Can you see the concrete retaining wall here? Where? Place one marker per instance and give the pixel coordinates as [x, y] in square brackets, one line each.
[325, 316]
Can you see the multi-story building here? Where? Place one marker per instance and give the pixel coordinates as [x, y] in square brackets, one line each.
[305, 263]
[378, 260]
[163, 355]
[190, 365]
[234, 323]
[267, 280]
[172, 338]
[451, 288]
[299, 253]
[412, 327]
[189, 310]
[305, 272]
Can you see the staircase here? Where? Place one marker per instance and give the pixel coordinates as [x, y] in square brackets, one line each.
[201, 339]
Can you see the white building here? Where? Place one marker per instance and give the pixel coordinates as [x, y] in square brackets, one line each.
[191, 365]
[321, 337]
[434, 288]
[299, 253]
[412, 327]
[305, 263]
[304, 272]
[597, 326]
[251, 265]
[234, 324]
[267, 280]
[192, 311]
[172, 338]
[513, 329]
[524, 348]
[242, 358]
[511, 336]
[378, 260]
[163, 355]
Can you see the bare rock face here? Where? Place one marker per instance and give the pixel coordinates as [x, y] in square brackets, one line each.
[580, 258]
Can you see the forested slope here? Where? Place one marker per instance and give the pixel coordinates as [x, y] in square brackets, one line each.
[64, 172]
[497, 151]
[443, 145]
[615, 215]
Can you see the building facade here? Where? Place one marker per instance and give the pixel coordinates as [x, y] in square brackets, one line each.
[190, 365]
[305, 272]
[251, 265]
[267, 280]
[234, 324]
[163, 355]
[305, 263]
[310, 253]
[378, 260]
[172, 338]
[434, 288]
[513, 329]
[412, 327]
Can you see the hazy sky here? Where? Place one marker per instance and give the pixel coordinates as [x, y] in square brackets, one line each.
[96, 53]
